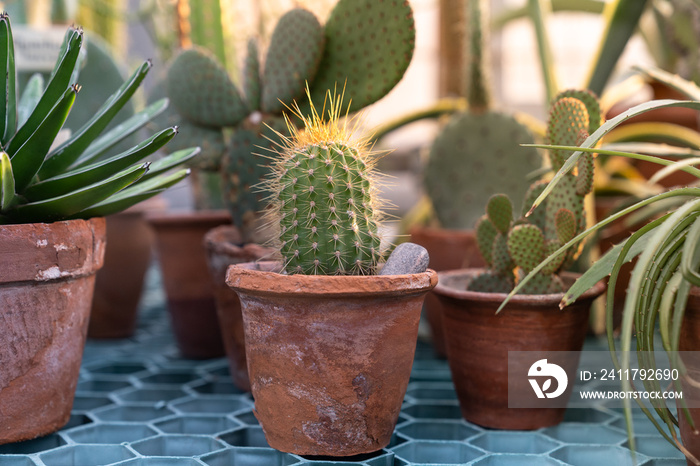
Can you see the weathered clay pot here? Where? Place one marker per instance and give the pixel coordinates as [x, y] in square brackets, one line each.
[224, 248]
[478, 342]
[329, 357]
[689, 341]
[119, 283]
[448, 250]
[46, 284]
[188, 286]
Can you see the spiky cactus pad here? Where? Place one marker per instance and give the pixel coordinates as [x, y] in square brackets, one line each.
[323, 198]
[474, 157]
[202, 91]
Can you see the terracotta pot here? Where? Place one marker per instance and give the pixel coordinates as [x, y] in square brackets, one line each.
[689, 341]
[188, 286]
[46, 284]
[478, 342]
[448, 250]
[119, 283]
[329, 357]
[224, 248]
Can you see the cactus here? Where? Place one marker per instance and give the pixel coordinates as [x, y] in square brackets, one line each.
[478, 153]
[323, 199]
[351, 51]
[537, 234]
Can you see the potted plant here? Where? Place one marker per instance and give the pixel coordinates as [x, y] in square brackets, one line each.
[51, 243]
[478, 339]
[661, 290]
[253, 121]
[329, 342]
[458, 194]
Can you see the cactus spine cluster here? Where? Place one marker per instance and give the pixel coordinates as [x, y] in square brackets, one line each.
[324, 201]
[365, 47]
[477, 154]
[512, 248]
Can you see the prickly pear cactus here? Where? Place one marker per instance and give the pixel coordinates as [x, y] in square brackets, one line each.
[478, 153]
[241, 171]
[513, 248]
[474, 157]
[364, 48]
[323, 200]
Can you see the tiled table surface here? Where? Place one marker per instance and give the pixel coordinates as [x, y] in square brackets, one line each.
[138, 404]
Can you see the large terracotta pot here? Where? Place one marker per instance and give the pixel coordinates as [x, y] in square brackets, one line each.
[188, 286]
[478, 342]
[46, 285]
[448, 250]
[119, 283]
[690, 341]
[224, 248]
[329, 357]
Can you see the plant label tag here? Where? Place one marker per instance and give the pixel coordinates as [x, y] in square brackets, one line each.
[36, 49]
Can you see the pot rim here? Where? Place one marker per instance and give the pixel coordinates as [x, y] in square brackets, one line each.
[517, 300]
[171, 218]
[259, 278]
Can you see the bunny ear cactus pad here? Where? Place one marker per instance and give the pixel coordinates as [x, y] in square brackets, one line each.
[369, 45]
[201, 90]
[323, 199]
[473, 157]
[292, 59]
[556, 221]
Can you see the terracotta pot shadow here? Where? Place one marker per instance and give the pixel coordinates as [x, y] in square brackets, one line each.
[46, 286]
[448, 250]
[329, 357]
[478, 342]
[188, 286]
[224, 248]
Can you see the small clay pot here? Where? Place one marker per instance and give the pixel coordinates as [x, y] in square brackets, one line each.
[46, 285]
[188, 286]
[329, 357]
[448, 250]
[119, 283]
[224, 248]
[478, 342]
[689, 342]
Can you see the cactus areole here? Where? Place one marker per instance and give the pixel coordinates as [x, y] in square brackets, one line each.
[323, 198]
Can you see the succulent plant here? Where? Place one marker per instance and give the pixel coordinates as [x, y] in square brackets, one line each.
[44, 179]
[323, 199]
[365, 48]
[513, 248]
[478, 152]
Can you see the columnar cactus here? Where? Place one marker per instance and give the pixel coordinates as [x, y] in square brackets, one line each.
[324, 201]
[513, 248]
[365, 48]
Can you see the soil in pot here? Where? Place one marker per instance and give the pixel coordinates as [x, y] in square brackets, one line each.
[224, 248]
[46, 286]
[448, 250]
[119, 283]
[188, 285]
[478, 342]
[329, 357]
